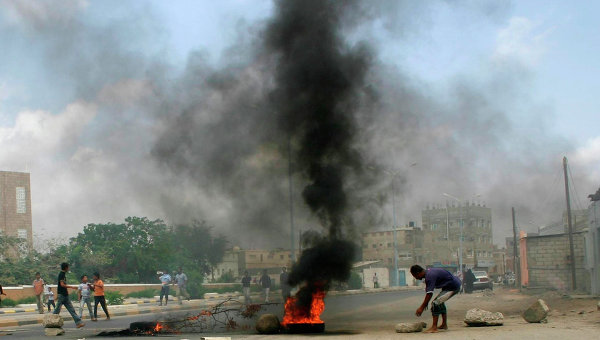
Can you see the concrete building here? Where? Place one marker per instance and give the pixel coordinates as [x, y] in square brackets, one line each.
[15, 205]
[236, 261]
[592, 243]
[379, 246]
[441, 233]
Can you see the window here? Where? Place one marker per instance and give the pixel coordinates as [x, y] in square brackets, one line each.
[22, 233]
[21, 202]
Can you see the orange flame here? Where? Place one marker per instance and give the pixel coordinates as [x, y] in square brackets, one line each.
[158, 327]
[302, 314]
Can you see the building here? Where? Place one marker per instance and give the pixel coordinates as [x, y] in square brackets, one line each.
[441, 235]
[379, 246]
[592, 244]
[236, 261]
[15, 205]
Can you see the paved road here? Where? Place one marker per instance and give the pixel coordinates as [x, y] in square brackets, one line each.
[342, 313]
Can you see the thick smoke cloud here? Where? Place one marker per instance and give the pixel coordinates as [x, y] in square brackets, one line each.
[142, 137]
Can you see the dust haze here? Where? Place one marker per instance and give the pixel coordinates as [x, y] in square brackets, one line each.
[209, 140]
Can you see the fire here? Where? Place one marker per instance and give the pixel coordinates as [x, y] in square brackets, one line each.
[300, 314]
[159, 327]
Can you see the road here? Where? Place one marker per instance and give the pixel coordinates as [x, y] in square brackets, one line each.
[344, 313]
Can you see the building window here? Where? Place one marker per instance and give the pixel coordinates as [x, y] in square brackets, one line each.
[22, 233]
[21, 202]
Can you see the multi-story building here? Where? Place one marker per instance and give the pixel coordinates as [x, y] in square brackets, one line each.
[441, 233]
[15, 205]
[236, 261]
[379, 246]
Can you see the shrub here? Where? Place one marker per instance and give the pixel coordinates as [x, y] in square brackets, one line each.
[27, 300]
[8, 303]
[114, 298]
[146, 293]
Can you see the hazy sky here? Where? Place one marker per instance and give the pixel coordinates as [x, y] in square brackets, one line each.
[51, 118]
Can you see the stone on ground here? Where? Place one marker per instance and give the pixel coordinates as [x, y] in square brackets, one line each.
[410, 327]
[52, 321]
[537, 312]
[54, 331]
[268, 324]
[478, 317]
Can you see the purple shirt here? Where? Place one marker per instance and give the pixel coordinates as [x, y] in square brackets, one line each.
[440, 278]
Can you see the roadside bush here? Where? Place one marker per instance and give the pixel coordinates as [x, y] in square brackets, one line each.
[355, 281]
[8, 303]
[114, 298]
[26, 300]
[146, 293]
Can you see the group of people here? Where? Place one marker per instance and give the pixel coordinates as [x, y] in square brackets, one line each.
[265, 282]
[85, 291]
[166, 281]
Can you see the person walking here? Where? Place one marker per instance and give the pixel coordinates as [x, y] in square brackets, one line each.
[1, 293]
[50, 298]
[38, 289]
[63, 295]
[286, 290]
[246, 280]
[165, 280]
[98, 288]
[441, 279]
[469, 279]
[85, 297]
[181, 281]
[375, 281]
[265, 282]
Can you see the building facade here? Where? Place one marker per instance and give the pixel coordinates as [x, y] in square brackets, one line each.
[15, 205]
[441, 235]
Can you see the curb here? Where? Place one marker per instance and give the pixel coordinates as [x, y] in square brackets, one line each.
[38, 320]
[18, 310]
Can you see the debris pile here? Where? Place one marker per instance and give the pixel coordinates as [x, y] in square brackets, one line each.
[53, 325]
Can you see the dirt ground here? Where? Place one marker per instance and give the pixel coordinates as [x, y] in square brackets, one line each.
[569, 318]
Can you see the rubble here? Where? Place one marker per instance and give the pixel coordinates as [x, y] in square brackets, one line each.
[268, 324]
[52, 321]
[478, 317]
[54, 331]
[537, 312]
[410, 327]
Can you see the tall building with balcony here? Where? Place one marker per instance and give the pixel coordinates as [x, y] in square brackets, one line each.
[15, 205]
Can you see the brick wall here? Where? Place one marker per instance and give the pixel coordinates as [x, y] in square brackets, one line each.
[549, 265]
[10, 220]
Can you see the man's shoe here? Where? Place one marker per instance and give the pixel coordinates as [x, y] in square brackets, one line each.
[81, 324]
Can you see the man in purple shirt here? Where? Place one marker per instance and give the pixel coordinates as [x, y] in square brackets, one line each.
[441, 279]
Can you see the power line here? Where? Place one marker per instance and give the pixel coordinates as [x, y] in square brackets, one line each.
[579, 205]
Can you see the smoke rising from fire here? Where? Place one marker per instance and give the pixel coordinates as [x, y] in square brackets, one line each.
[143, 137]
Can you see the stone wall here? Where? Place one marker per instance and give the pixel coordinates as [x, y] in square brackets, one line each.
[549, 265]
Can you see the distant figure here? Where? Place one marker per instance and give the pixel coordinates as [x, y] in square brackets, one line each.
[1, 293]
[436, 278]
[85, 297]
[286, 290]
[50, 297]
[459, 275]
[246, 287]
[99, 298]
[375, 281]
[265, 281]
[63, 295]
[165, 280]
[181, 280]
[469, 279]
[38, 289]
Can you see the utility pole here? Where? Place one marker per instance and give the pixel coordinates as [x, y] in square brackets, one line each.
[571, 250]
[516, 264]
[395, 277]
[292, 232]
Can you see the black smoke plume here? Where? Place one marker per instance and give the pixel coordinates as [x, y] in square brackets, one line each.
[318, 84]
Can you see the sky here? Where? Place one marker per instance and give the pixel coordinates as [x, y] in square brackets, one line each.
[74, 88]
